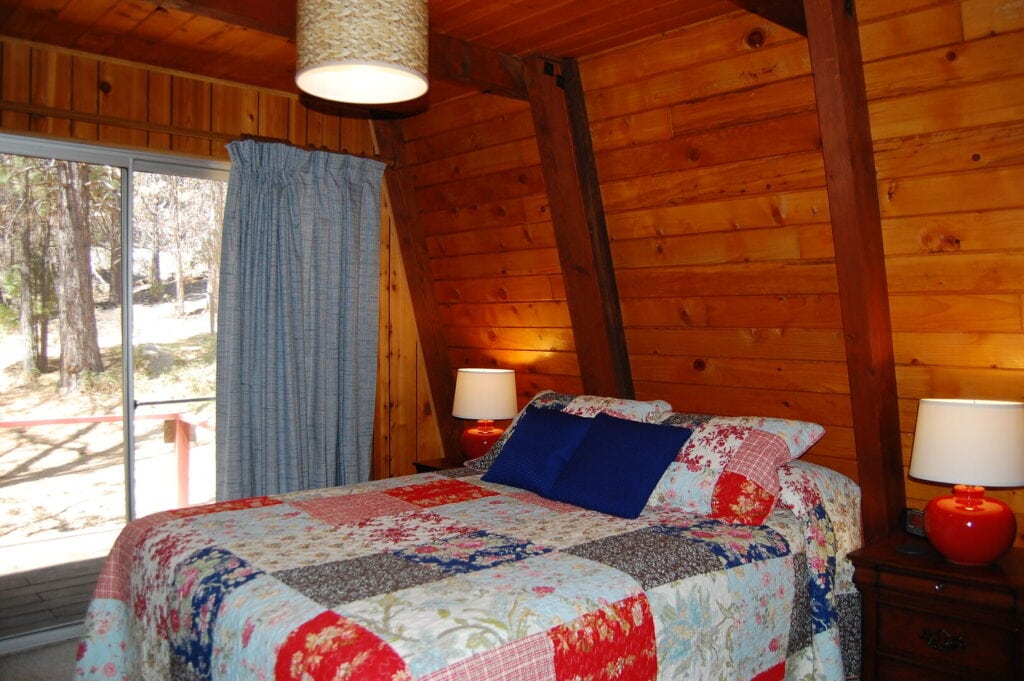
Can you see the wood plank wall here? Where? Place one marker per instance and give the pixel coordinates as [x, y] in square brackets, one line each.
[713, 182]
[72, 95]
[709, 157]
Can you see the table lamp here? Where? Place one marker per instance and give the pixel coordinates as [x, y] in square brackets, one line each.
[485, 395]
[970, 444]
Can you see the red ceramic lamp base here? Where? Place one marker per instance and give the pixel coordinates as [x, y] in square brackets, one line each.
[969, 528]
[477, 439]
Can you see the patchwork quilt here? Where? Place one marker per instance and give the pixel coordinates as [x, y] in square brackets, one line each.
[445, 577]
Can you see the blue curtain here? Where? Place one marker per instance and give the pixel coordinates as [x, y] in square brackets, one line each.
[297, 332]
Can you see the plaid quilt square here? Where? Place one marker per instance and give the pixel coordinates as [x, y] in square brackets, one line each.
[354, 507]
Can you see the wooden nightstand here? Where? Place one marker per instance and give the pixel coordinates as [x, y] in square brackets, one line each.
[435, 465]
[925, 618]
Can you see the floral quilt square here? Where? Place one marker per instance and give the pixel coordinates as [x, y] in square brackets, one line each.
[473, 551]
[439, 492]
[734, 544]
[615, 643]
[328, 645]
[332, 584]
[651, 557]
[387, 533]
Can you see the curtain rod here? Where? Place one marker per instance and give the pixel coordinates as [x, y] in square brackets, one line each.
[313, 147]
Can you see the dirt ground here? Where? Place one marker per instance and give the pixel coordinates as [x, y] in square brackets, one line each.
[62, 486]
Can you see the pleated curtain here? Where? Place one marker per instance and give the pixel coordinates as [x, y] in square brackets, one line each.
[298, 325]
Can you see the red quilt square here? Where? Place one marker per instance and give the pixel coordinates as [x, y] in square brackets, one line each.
[439, 492]
[221, 506]
[738, 499]
[330, 646]
[615, 643]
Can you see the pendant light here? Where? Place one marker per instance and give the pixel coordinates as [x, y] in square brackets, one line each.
[362, 51]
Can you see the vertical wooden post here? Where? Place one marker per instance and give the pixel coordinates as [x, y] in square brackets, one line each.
[413, 247]
[834, 46]
[182, 448]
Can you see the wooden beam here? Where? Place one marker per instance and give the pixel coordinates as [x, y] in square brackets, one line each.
[574, 197]
[834, 46]
[482, 68]
[786, 13]
[413, 244]
[276, 17]
[450, 59]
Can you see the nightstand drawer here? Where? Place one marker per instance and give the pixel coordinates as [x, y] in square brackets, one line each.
[942, 591]
[939, 639]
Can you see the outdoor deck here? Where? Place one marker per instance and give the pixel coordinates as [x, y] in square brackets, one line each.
[47, 597]
[62, 497]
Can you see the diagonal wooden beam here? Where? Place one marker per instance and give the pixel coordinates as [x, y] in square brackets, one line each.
[574, 197]
[786, 13]
[834, 45]
[416, 260]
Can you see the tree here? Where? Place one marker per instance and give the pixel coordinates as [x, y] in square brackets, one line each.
[26, 214]
[105, 218]
[79, 346]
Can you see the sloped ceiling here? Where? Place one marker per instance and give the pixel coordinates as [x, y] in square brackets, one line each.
[252, 41]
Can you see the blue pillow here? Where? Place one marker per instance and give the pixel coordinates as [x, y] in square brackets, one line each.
[537, 449]
[618, 463]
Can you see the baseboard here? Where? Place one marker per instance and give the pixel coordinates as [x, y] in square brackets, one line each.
[36, 639]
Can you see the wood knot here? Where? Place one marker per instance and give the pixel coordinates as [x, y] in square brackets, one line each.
[700, 364]
[693, 154]
[755, 38]
[105, 87]
[937, 242]
[951, 56]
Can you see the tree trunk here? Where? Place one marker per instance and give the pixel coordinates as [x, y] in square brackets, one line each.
[26, 321]
[213, 253]
[116, 256]
[43, 318]
[156, 286]
[79, 346]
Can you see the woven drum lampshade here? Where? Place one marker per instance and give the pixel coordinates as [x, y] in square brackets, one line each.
[362, 51]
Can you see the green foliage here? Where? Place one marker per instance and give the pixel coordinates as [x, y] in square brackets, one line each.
[8, 318]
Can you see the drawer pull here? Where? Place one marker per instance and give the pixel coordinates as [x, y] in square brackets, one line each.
[943, 641]
[939, 586]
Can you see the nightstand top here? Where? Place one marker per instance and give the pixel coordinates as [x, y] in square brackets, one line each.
[905, 553]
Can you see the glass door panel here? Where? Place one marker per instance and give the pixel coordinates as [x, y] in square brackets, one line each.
[176, 235]
[62, 482]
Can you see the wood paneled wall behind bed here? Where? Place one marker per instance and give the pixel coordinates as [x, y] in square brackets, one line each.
[708, 153]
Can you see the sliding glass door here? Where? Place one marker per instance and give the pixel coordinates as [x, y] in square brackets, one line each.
[108, 288]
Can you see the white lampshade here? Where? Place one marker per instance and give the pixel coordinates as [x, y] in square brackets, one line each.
[362, 51]
[969, 442]
[485, 394]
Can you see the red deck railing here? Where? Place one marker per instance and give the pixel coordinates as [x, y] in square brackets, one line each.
[178, 428]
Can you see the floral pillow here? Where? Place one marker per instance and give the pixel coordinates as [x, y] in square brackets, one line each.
[729, 466]
[578, 405]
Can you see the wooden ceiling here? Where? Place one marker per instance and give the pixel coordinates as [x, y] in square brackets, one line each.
[252, 41]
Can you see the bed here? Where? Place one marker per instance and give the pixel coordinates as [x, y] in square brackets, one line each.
[726, 561]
